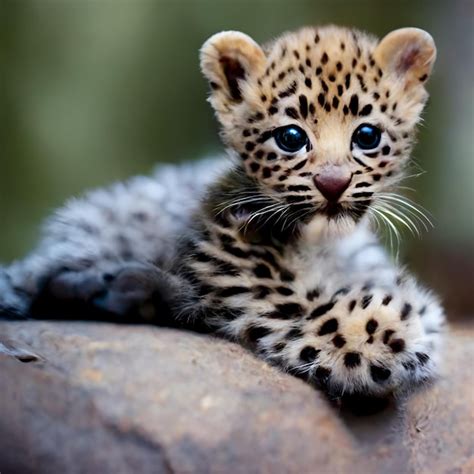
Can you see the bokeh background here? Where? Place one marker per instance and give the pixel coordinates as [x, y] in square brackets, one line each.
[93, 91]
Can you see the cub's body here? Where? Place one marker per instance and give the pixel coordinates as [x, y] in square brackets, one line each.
[274, 247]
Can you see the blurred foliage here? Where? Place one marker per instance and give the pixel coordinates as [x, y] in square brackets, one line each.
[94, 91]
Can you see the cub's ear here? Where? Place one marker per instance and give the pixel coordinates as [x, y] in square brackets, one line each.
[228, 60]
[409, 53]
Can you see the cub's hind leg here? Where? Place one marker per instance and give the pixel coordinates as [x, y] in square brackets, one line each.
[127, 223]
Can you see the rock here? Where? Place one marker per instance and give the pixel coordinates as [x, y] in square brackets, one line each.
[87, 398]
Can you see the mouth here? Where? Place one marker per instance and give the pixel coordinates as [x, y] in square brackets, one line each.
[338, 210]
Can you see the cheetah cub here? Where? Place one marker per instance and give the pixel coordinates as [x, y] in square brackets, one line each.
[272, 248]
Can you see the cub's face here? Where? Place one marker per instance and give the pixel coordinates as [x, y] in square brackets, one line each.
[322, 119]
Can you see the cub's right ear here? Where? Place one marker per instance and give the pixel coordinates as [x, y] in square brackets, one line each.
[228, 60]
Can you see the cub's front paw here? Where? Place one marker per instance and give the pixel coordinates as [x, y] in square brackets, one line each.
[126, 292]
[372, 342]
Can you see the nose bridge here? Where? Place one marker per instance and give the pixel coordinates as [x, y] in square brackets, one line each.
[331, 147]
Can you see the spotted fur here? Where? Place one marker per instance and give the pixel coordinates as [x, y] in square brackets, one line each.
[266, 259]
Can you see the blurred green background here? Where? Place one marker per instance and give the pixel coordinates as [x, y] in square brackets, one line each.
[93, 91]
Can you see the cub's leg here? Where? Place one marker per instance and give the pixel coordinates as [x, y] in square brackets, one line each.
[361, 340]
[126, 224]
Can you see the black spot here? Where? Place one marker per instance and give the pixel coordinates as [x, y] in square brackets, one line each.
[298, 188]
[283, 290]
[235, 251]
[230, 314]
[324, 58]
[352, 359]
[272, 110]
[288, 91]
[366, 110]
[352, 305]
[347, 80]
[370, 340]
[324, 86]
[303, 106]
[300, 165]
[328, 327]
[254, 167]
[363, 184]
[250, 146]
[371, 326]
[332, 78]
[262, 271]
[295, 333]
[345, 110]
[379, 374]
[321, 99]
[310, 295]
[366, 300]
[387, 335]
[320, 310]
[272, 156]
[335, 102]
[409, 365]
[308, 82]
[286, 275]
[422, 357]
[312, 109]
[397, 345]
[340, 90]
[322, 375]
[308, 354]
[279, 346]
[387, 300]
[423, 78]
[286, 311]
[308, 62]
[339, 341]
[383, 107]
[319, 70]
[406, 310]
[364, 194]
[292, 112]
[341, 291]
[261, 291]
[266, 172]
[386, 150]
[254, 333]
[354, 104]
[232, 291]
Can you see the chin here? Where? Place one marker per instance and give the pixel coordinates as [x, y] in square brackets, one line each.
[325, 226]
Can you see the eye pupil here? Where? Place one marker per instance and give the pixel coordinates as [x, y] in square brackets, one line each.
[367, 136]
[290, 138]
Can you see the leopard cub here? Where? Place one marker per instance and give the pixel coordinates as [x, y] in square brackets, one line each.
[276, 251]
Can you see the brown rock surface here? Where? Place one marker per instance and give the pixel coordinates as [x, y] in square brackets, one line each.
[98, 398]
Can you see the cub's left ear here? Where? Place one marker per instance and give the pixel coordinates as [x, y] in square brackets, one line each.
[228, 60]
[409, 53]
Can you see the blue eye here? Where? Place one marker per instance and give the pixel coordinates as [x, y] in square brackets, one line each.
[290, 138]
[367, 137]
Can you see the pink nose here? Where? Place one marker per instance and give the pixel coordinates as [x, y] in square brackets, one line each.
[332, 182]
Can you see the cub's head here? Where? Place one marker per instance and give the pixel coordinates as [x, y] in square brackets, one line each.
[323, 119]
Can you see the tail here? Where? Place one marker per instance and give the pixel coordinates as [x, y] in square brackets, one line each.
[14, 302]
